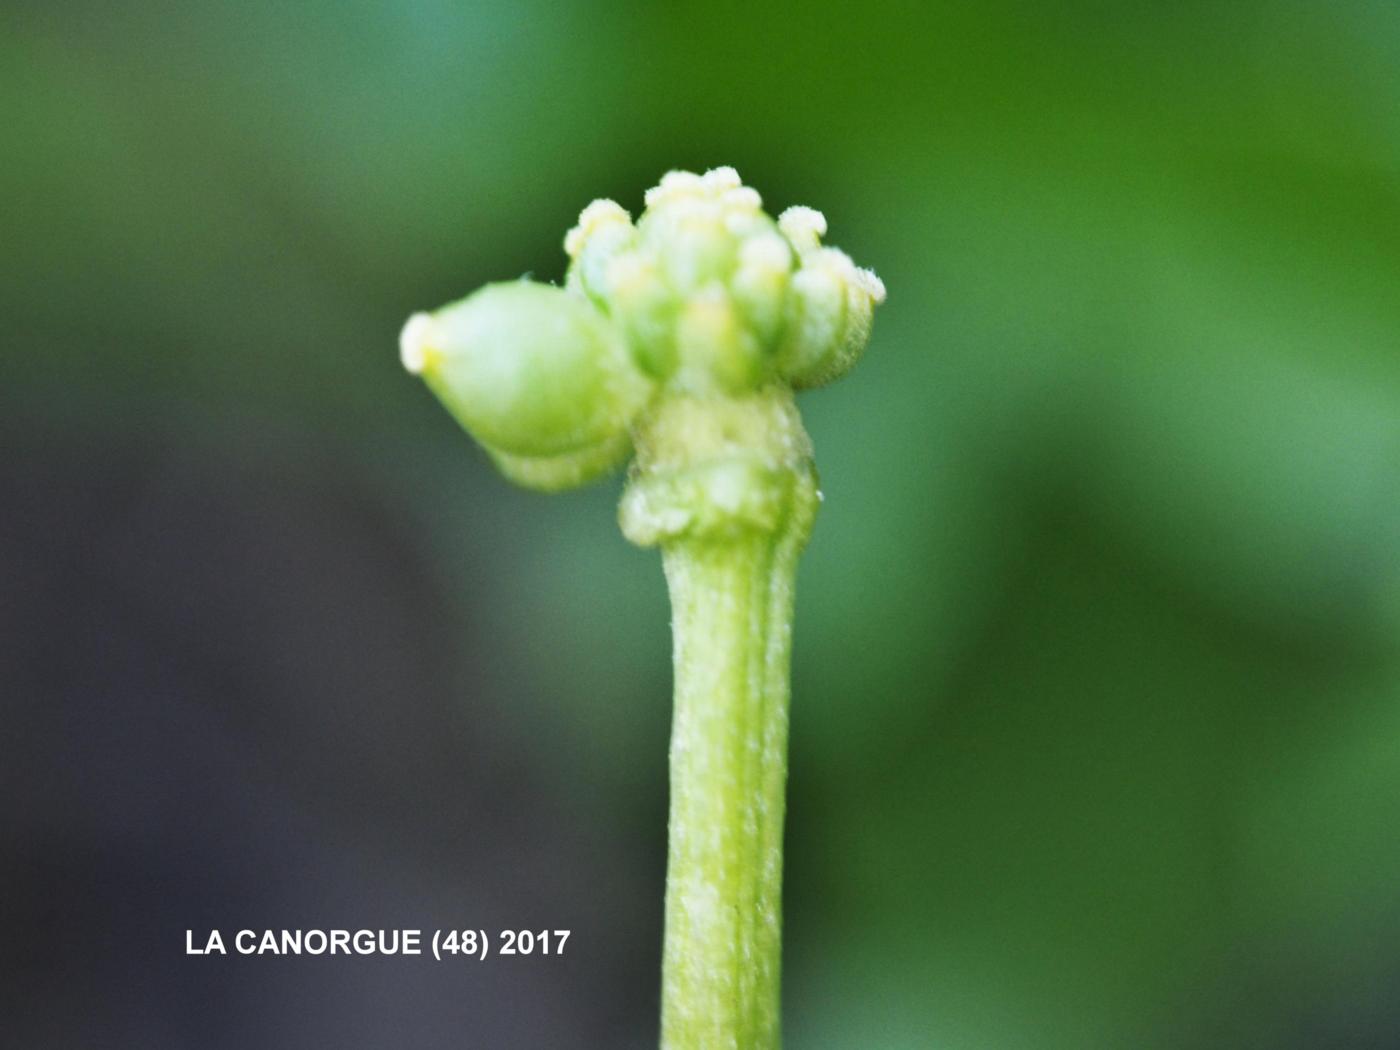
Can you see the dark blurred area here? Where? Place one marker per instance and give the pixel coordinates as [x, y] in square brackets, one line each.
[1096, 728]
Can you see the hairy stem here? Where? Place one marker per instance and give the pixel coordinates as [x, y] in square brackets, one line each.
[724, 485]
[732, 612]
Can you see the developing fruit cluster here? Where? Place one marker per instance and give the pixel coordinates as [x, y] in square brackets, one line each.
[703, 297]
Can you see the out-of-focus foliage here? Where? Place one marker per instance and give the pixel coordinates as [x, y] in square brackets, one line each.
[1096, 729]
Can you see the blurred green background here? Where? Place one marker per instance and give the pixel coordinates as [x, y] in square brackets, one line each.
[1096, 729]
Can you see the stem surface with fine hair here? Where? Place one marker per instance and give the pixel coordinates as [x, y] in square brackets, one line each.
[730, 481]
[732, 606]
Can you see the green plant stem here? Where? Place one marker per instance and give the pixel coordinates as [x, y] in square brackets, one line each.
[732, 615]
[724, 485]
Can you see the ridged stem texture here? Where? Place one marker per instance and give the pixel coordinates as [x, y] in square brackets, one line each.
[732, 612]
[726, 488]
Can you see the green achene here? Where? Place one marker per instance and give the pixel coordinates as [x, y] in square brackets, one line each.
[679, 340]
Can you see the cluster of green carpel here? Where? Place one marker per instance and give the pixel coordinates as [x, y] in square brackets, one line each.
[704, 296]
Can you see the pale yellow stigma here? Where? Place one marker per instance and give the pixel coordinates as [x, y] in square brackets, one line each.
[744, 198]
[803, 226]
[722, 182]
[674, 184]
[414, 350]
[720, 179]
[600, 213]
